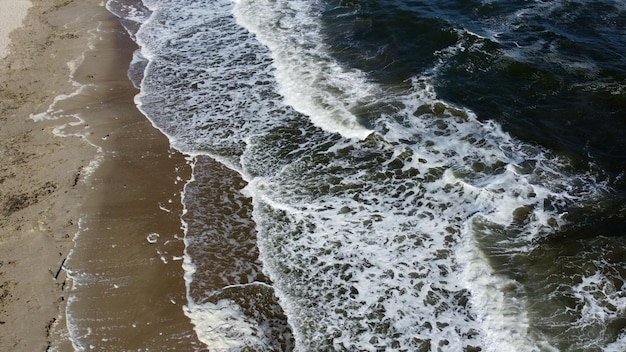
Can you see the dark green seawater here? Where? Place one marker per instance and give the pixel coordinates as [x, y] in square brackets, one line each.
[551, 73]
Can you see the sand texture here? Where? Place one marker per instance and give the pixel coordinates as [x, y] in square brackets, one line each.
[12, 12]
[64, 220]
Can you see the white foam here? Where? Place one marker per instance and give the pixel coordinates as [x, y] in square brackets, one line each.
[93, 165]
[130, 12]
[617, 345]
[188, 267]
[224, 327]
[361, 231]
[311, 82]
[499, 305]
[600, 299]
[72, 326]
[74, 282]
[51, 112]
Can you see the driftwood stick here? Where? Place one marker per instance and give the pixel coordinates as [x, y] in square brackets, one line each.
[56, 276]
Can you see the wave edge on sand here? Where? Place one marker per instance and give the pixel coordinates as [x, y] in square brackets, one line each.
[68, 129]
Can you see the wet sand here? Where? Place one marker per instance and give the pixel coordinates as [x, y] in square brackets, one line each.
[107, 240]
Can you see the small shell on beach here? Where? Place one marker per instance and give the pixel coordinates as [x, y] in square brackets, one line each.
[152, 238]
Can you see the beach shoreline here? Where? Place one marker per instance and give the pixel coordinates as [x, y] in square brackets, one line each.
[66, 105]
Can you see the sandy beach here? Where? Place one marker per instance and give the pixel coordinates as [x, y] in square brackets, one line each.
[89, 193]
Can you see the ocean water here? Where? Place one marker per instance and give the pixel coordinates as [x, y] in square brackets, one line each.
[389, 175]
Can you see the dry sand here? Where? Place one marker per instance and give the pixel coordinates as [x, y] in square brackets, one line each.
[48, 188]
[12, 12]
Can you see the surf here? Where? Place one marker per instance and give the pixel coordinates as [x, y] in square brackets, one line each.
[381, 217]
